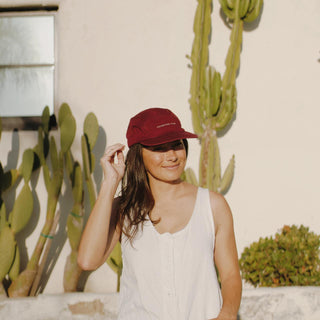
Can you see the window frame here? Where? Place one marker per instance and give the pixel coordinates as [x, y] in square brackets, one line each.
[33, 122]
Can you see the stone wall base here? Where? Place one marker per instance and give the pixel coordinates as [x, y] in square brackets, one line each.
[283, 303]
[287, 303]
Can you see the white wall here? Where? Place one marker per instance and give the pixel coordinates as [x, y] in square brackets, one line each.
[117, 57]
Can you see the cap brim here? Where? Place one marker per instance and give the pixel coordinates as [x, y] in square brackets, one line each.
[168, 137]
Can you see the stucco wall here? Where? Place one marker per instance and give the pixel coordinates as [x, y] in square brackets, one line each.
[118, 57]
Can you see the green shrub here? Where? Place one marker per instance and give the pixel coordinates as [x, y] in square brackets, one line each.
[291, 258]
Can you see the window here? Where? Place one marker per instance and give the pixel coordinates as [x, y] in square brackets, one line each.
[27, 65]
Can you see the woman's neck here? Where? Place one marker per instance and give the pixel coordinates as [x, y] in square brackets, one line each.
[166, 190]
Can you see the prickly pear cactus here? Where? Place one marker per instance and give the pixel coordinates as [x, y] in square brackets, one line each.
[72, 271]
[115, 262]
[88, 141]
[18, 219]
[7, 250]
[53, 180]
[67, 125]
[213, 100]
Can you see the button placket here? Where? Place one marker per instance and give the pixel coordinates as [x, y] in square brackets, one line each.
[169, 278]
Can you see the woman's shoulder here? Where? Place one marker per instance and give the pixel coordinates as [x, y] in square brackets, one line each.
[220, 207]
[216, 198]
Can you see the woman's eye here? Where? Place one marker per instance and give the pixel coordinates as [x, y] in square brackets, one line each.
[178, 146]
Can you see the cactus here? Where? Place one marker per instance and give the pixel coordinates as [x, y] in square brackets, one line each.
[213, 101]
[115, 262]
[88, 141]
[18, 219]
[72, 271]
[27, 281]
[67, 125]
[53, 181]
[7, 250]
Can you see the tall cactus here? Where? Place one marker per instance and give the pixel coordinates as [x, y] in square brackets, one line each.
[213, 101]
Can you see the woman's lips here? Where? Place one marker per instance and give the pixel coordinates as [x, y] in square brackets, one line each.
[172, 167]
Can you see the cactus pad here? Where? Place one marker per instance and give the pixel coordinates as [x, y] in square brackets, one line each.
[63, 112]
[27, 164]
[7, 250]
[45, 119]
[15, 268]
[22, 209]
[91, 129]
[67, 132]
[3, 219]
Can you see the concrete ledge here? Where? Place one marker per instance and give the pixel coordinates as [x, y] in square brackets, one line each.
[283, 303]
[287, 303]
[75, 306]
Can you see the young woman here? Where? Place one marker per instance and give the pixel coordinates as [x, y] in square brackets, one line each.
[172, 233]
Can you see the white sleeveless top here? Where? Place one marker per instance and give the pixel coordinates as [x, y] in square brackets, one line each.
[172, 276]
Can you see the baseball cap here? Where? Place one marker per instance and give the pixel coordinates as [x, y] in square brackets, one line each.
[155, 126]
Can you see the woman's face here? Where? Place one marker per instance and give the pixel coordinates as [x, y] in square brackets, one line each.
[165, 162]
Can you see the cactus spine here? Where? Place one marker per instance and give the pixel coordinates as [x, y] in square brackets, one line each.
[213, 101]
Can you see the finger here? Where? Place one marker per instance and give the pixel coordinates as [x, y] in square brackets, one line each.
[111, 151]
[114, 148]
[120, 157]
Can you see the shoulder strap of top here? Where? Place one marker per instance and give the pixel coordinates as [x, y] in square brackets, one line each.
[206, 206]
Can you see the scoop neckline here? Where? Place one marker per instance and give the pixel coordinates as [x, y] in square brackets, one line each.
[172, 234]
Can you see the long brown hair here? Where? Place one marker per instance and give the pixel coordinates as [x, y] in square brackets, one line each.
[136, 199]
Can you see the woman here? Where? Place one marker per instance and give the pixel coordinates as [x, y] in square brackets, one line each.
[172, 233]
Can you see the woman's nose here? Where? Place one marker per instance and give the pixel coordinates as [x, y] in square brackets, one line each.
[171, 155]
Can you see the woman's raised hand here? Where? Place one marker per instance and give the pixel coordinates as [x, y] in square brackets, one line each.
[112, 163]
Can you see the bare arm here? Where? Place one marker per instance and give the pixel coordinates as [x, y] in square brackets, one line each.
[226, 258]
[101, 233]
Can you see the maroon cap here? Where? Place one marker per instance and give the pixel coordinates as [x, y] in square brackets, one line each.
[155, 126]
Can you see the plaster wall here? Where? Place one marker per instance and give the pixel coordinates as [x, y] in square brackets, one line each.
[117, 57]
